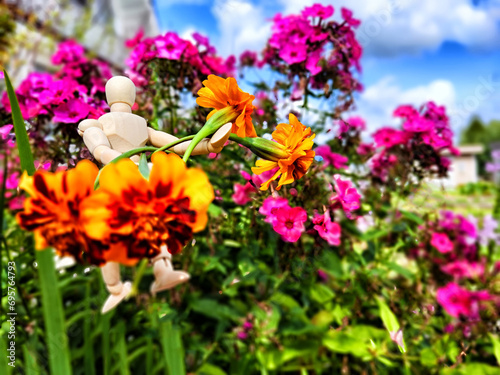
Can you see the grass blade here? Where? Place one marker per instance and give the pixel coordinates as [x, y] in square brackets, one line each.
[56, 338]
[88, 343]
[173, 352]
[121, 348]
[23, 144]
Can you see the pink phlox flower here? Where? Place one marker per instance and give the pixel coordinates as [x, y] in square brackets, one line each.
[331, 158]
[388, 137]
[406, 111]
[293, 53]
[487, 232]
[269, 207]
[348, 18]
[460, 302]
[365, 149]
[328, 229]
[397, 337]
[69, 51]
[312, 63]
[5, 131]
[170, 46]
[347, 196]
[318, 10]
[242, 193]
[131, 43]
[442, 242]
[289, 223]
[463, 268]
[71, 111]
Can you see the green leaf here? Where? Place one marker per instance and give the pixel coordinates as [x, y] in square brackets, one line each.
[389, 319]
[209, 369]
[412, 217]
[173, 352]
[214, 309]
[23, 144]
[387, 316]
[144, 167]
[270, 359]
[121, 348]
[496, 346]
[342, 342]
[321, 293]
[4, 359]
[53, 314]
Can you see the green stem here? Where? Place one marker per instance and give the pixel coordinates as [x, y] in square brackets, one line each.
[138, 277]
[175, 143]
[213, 124]
[140, 150]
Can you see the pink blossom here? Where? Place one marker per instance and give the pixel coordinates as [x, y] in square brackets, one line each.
[131, 43]
[269, 207]
[331, 158]
[5, 131]
[405, 111]
[71, 111]
[388, 137]
[347, 16]
[293, 53]
[68, 52]
[365, 149]
[323, 275]
[247, 326]
[318, 10]
[242, 335]
[170, 46]
[327, 229]
[442, 243]
[290, 223]
[354, 123]
[457, 301]
[463, 268]
[242, 193]
[248, 58]
[397, 337]
[347, 196]
[312, 63]
[12, 181]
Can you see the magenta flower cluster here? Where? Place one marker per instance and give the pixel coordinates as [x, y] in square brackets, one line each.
[424, 136]
[308, 44]
[63, 97]
[453, 247]
[199, 59]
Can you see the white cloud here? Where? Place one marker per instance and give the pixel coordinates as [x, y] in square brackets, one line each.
[393, 27]
[377, 103]
[242, 25]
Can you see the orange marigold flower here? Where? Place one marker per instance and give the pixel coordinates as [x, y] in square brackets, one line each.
[52, 211]
[138, 216]
[297, 141]
[220, 93]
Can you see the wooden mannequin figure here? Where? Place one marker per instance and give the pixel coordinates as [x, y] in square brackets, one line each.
[120, 131]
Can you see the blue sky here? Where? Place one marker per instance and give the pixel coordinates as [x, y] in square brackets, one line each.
[414, 50]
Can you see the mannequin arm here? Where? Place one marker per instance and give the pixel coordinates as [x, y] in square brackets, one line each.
[206, 146]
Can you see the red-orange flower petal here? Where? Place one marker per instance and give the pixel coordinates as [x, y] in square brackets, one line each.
[139, 215]
[220, 93]
[298, 141]
[53, 209]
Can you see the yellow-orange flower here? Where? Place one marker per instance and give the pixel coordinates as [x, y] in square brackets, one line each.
[137, 215]
[220, 93]
[297, 140]
[52, 211]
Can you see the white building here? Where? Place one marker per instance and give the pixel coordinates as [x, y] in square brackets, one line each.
[464, 167]
[102, 26]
